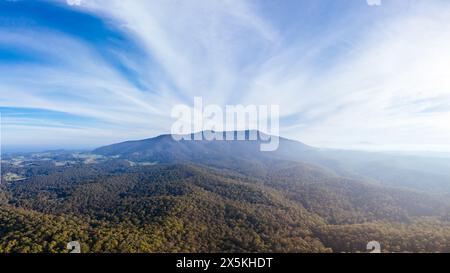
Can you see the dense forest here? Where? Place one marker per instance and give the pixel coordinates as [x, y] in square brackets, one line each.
[241, 206]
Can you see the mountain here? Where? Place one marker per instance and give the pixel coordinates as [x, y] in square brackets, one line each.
[218, 196]
[165, 149]
[420, 173]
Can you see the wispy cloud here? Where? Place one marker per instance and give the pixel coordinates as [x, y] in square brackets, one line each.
[360, 75]
[75, 81]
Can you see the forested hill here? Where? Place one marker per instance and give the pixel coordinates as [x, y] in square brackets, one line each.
[211, 200]
[428, 174]
[165, 149]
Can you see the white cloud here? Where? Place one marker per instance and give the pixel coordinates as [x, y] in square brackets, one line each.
[80, 84]
[198, 43]
[385, 91]
[389, 86]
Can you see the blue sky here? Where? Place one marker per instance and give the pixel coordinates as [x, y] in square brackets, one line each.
[83, 73]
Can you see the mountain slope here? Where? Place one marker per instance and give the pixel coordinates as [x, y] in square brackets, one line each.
[114, 207]
[430, 175]
[218, 196]
[165, 149]
[170, 208]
